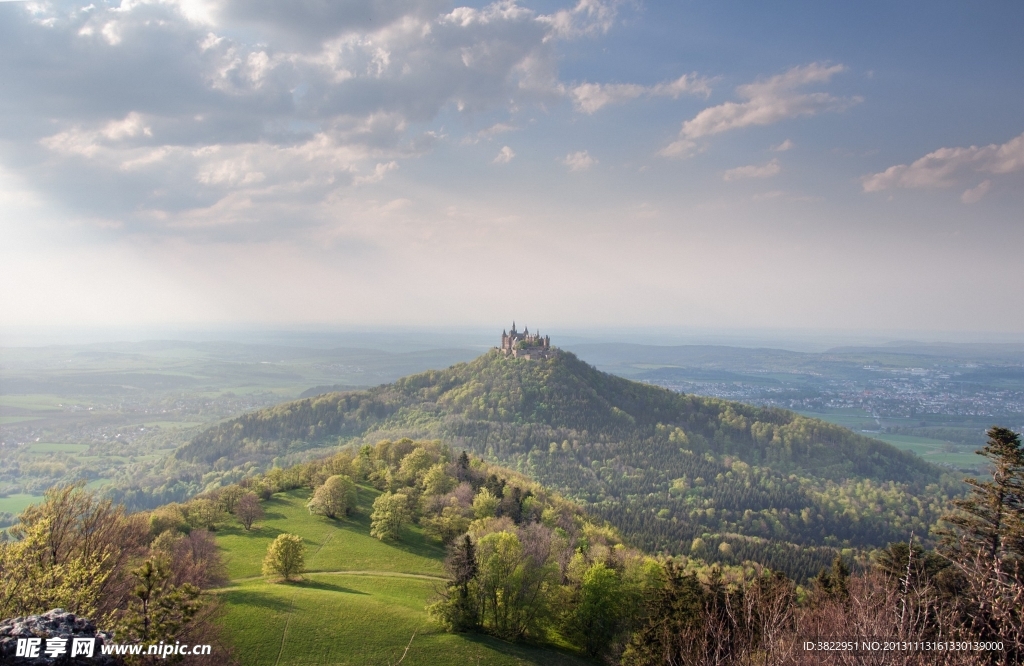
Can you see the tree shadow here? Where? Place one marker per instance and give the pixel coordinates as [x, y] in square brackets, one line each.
[329, 587]
[257, 532]
[532, 653]
[418, 543]
[255, 598]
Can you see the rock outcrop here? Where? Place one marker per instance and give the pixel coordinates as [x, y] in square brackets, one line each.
[54, 624]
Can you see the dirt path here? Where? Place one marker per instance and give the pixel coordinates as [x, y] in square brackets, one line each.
[342, 572]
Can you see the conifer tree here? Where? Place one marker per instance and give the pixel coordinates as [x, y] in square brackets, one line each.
[833, 583]
[989, 522]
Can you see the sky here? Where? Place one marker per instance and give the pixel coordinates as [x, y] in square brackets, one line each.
[590, 163]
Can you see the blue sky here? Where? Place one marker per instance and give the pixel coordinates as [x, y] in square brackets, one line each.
[717, 165]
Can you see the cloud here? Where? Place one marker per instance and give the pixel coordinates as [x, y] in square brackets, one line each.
[311, 20]
[586, 18]
[489, 133]
[495, 129]
[505, 155]
[766, 102]
[975, 194]
[579, 161]
[150, 109]
[783, 147]
[377, 175]
[589, 97]
[753, 171]
[946, 167]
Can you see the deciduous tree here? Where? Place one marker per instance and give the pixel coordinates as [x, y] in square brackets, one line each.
[390, 512]
[286, 557]
[248, 510]
[335, 498]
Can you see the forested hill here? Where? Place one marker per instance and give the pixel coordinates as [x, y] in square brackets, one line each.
[674, 472]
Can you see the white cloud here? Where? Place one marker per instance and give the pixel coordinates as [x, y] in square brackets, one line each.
[975, 194]
[579, 161]
[505, 155]
[767, 102]
[783, 147]
[149, 108]
[588, 17]
[753, 171]
[589, 97]
[680, 148]
[495, 129]
[489, 133]
[944, 167]
[377, 175]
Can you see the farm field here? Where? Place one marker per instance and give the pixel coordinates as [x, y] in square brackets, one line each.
[932, 450]
[16, 503]
[53, 447]
[360, 602]
[18, 419]
[854, 419]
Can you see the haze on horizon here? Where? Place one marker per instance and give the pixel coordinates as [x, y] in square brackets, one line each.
[424, 163]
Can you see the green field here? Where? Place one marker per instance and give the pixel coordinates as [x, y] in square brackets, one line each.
[51, 447]
[35, 403]
[17, 503]
[854, 419]
[171, 424]
[17, 419]
[360, 602]
[933, 450]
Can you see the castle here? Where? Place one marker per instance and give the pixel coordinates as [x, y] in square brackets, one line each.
[525, 344]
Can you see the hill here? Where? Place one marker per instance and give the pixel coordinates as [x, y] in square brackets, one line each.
[675, 473]
[360, 601]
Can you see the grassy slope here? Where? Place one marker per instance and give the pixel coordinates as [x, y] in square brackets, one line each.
[360, 602]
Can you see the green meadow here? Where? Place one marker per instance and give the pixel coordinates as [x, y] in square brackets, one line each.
[933, 450]
[17, 503]
[361, 601]
[854, 419]
[33, 402]
[51, 447]
[17, 419]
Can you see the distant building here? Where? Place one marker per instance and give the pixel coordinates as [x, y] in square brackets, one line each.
[524, 344]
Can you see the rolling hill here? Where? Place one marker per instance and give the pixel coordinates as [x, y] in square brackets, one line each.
[361, 601]
[675, 473]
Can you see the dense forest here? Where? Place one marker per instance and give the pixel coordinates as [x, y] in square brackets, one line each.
[678, 474]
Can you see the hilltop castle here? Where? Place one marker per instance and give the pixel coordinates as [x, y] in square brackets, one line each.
[525, 344]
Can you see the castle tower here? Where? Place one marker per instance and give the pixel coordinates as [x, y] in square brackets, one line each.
[525, 345]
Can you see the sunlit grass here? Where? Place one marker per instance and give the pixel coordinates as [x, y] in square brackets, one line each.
[366, 615]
